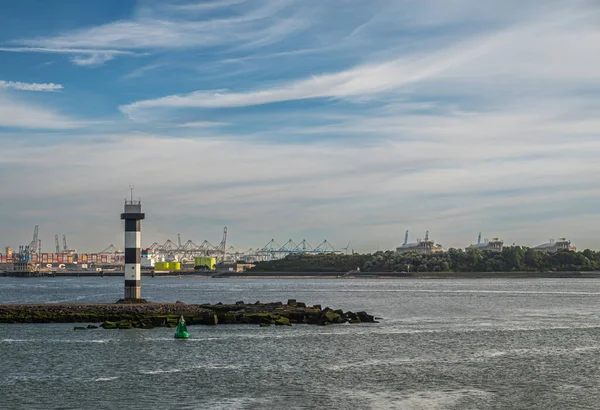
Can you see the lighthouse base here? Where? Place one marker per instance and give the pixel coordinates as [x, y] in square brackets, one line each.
[132, 290]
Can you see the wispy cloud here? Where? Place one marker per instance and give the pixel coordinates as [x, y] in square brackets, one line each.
[166, 27]
[515, 55]
[202, 124]
[17, 85]
[465, 115]
[204, 6]
[139, 72]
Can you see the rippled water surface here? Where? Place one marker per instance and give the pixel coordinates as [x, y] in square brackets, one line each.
[441, 344]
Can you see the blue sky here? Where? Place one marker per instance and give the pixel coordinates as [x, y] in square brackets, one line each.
[351, 120]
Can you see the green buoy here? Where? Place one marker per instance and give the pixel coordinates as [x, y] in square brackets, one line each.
[181, 330]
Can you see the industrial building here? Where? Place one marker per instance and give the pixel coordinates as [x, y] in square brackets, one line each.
[421, 246]
[494, 245]
[205, 263]
[553, 246]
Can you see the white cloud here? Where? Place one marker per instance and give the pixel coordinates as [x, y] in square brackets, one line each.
[548, 51]
[92, 59]
[297, 189]
[17, 85]
[82, 56]
[164, 26]
[18, 114]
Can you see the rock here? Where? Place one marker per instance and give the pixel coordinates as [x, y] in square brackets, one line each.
[92, 327]
[124, 324]
[108, 325]
[301, 304]
[283, 321]
[317, 307]
[210, 319]
[291, 302]
[229, 318]
[219, 303]
[179, 303]
[364, 317]
[79, 328]
[257, 302]
[239, 302]
[296, 317]
[332, 317]
[264, 324]
[158, 320]
[352, 317]
[147, 326]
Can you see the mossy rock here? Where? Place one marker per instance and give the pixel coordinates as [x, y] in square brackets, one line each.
[283, 321]
[147, 326]
[92, 327]
[79, 328]
[264, 324]
[259, 317]
[291, 302]
[209, 319]
[125, 324]
[333, 317]
[229, 318]
[108, 325]
[317, 307]
[301, 304]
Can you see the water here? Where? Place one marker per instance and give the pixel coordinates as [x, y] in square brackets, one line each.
[442, 344]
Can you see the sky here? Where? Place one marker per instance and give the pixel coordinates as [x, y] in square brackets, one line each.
[345, 120]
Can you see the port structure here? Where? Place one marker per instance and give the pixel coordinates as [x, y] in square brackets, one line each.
[171, 250]
[272, 250]
[133, 217]
[177, 250]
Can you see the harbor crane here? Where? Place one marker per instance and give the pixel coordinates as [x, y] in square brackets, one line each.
[33, 246]
[57, 244]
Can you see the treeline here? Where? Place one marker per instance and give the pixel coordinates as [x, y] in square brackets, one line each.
[511, 259]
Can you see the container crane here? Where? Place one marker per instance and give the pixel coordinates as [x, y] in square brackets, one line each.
[33, 246]
[57, 244]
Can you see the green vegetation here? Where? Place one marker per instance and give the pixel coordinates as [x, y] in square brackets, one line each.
[511, 259]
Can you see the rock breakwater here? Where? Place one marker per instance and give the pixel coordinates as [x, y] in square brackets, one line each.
[150, 315]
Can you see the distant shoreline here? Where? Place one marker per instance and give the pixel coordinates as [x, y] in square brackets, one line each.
[403, 275]
[338, 275]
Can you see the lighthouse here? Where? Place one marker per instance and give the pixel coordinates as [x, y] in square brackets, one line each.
[133, 216]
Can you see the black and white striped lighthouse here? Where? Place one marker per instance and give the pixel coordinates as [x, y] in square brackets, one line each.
[133, 241]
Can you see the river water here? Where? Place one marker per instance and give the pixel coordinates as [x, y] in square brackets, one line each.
[441, 344]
